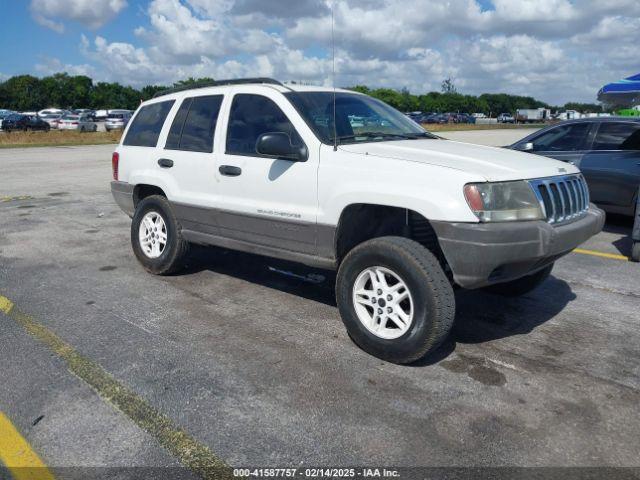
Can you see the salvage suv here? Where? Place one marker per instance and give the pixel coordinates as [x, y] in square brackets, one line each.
[402, 215]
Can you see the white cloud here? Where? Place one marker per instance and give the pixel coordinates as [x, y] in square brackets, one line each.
[556, 50]
[90, 13]
[51, 65]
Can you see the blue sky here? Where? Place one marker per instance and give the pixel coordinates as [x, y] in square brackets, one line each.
[555, 50]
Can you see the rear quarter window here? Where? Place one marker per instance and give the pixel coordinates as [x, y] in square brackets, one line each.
[147, 124]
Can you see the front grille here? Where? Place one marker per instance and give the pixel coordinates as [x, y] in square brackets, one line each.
[562, 198]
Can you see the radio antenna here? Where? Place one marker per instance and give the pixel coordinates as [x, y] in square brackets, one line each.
[333, 79]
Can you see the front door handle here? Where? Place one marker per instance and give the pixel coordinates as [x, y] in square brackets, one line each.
[165, 163]
[230, 170]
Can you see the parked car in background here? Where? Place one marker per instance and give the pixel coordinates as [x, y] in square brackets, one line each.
[4, 114]
[50, 111]
[117, 120]
[506, 118]
[80, 111]
[437, 118]
[53, 119]
[464, 118]
[18, 121]
[101, 115]
[415, 116]
[606, 149]
[83, 123]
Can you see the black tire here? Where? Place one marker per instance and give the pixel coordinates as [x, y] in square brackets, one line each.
[433, 298]
[635, 252]
[172, 257]
[522, 285]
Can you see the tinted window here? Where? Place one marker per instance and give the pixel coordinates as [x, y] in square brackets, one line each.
[250, 117]
[145, 129]
[562, 138]
[194, 126]
[618, 136]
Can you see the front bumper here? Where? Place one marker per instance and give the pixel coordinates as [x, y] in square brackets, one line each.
[482, 254]
[123, 195]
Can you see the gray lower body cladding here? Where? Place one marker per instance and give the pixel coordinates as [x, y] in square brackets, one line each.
[482, 254]
[307, 243]
[123, 195]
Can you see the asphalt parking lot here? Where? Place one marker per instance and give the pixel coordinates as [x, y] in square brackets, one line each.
[106, 365]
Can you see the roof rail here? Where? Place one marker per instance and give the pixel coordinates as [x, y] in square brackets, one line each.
[217, 83]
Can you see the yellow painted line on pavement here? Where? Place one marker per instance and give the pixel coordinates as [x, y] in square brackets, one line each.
[5, 198]
[595, 253]
[192, 454]
[17, 455]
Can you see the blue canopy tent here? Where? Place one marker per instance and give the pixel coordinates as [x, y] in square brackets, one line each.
[624, 93]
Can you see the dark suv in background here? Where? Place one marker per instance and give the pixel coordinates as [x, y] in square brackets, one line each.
[606, 149]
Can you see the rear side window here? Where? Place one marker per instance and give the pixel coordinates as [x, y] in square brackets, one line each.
[618, 136]
[146, 126]
[251, 116]
[194, 125]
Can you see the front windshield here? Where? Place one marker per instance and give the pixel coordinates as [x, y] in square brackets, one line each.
[358, 118]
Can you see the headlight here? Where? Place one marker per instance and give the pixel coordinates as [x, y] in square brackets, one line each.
[503, 201]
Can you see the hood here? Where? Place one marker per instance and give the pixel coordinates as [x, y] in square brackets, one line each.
[494, 164]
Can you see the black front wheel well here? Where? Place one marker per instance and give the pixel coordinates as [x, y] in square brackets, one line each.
[361, 222]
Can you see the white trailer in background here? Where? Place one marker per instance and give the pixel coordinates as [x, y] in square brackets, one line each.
[569, 115]
[533, 115]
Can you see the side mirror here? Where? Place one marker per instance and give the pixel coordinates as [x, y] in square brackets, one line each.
[526, 147]
[278, 145]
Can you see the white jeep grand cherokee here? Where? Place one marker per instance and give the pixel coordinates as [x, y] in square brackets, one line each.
[346, 182]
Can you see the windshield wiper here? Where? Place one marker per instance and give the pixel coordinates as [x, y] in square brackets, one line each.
[371, 135]
[404, 136]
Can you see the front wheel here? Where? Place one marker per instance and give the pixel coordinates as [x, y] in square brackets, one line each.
[156, 236]
[394, 299]
[635, 252]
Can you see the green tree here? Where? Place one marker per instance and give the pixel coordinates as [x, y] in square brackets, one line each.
[193, 81]
[24, 92]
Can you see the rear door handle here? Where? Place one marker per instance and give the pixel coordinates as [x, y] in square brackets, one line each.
[165, 163]
[230, 170]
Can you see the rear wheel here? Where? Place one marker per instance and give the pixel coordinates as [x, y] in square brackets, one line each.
[522, 285]
[156, 236]
[635, 252]
[394, 299]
